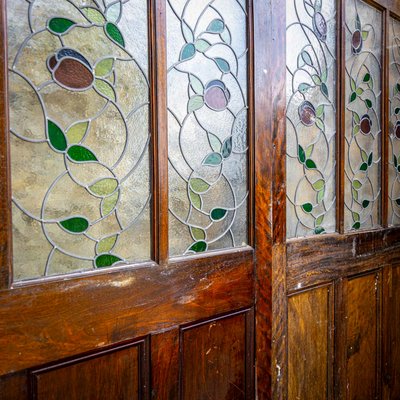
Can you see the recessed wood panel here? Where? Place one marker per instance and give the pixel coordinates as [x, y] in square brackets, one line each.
[309, 324]
[394, 319]
[214, 360]
[110, 375]
[361, 337]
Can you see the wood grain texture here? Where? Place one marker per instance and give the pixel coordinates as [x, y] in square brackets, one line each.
[116, 374]
[14, 387]
[213, 360]
[310, 315]
[362, 348]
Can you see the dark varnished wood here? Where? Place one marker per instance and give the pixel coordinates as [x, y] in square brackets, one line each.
[14, 387]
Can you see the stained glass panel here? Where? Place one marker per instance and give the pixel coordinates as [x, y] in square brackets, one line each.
[311, 117]
[394, 122]
[363, 116]
[79, 104]
[207, 111]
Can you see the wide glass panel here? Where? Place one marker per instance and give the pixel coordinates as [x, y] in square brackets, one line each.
[207, 122]
[363, 116]
[311, 117]
[394, 122]
[79, 104]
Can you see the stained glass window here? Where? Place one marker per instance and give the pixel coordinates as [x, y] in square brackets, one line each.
[363, 115]
[394, 122]
[207, 112]
[79, 104]
[311, 117]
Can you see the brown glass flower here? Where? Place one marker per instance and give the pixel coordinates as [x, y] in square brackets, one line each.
[357, 42]
[307, 113]
[397, 130]
[365, 124]
[320, 26]
[216, 95]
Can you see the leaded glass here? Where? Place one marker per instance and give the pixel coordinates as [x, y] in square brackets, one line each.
[394, 122]
[311, 116]
[79, 105]
[207, 110]
[363, 116]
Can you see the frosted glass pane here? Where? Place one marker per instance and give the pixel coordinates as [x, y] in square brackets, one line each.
[311, 117]
[207, 111]
[79, 112]
[394, 122]
[363, 116]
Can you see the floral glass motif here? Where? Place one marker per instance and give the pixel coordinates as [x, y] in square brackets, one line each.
[207, 111]
[79, 134]
[310, 118]
[363, 116]
[394, 122]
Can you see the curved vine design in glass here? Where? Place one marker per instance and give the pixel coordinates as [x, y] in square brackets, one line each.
[207, 111]
[394, 122]
[310, 118]
[79, 104]
[363, 116]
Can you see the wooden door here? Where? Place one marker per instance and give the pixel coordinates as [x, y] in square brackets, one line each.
[128, 199]
[335, 285]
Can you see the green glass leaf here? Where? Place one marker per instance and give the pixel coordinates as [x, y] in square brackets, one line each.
[195, 103]
[356, 217]
[188, 51]
[303, 87]
[307, 207]
[317, 80]
[367, 77]
[199, 185]
[196, 84]
[358, 22]
[320, 220]
[356, 118]
[357, 226]
[320, 196]
[215, 143]
[80, 154]
[398, 202]
[226, 36]
[115, 34]
[104, 187]
[318, 185]
[364, 35]
[320, 124]
[368, 103]
[353, 97]
[356, 129]
[60, 25]
[353, 85]
[360, 91]
[75, 224]
[319, 230]
[202, 45]
[94, 15]
[113, 12]
[301, 155]
[365, 203]
[319, 112]
[324, 75]
[109, 203]
[77, 132]
[398, 87]
[199, 247]
[309, 150]
[56, 136]
[104, 67]
[105, 89]
[398, 168]
[357, 184]
[226, 149]
[217, 214]
[106, 260]
[395, 161]
[216, 26]
[397, 111]
[223, 65]
[364, 167]
[324, 89]
[305, 55]
[364, 156]
[355, 194]
[213, 159]
[318, 5]
[370, 159]
[107, 244]
[198, 233]
[187, 32]
[195, 199]
[310, 164]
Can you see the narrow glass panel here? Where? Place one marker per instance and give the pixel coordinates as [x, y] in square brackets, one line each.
[79, 104]
[311, 117]
[394, 122]
[207, 111]
[363, 116]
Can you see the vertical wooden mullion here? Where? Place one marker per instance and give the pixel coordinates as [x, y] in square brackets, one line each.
[158, 68]
[5, 174]
[341, 116]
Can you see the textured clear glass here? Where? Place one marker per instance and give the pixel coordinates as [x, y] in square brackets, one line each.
[207, 111]
[363, 116]
[394, 122]
[311, 117]
[79, 119]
